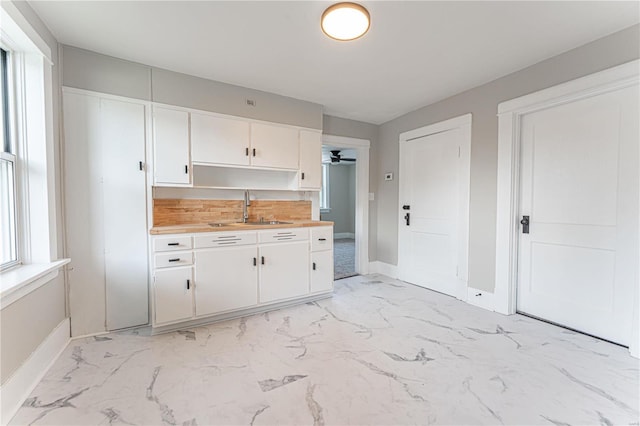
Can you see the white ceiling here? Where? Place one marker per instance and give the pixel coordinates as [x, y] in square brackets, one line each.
[415, 53]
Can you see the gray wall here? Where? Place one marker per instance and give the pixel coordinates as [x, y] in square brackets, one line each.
[28, 321]
[342, 199]
[88, 70]
[357, 129]
[482, 102]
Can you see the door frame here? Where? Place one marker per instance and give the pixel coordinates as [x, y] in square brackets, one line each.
[462, 122]
[362, 195]
[510, 114]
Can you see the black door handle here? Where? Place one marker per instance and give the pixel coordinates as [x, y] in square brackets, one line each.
[246, 152]
[254, 152]
[186, 169]
[262, 260]
[177, 259]
[406, 207]
[314, 266]
[140, 165]
[255, 261]
[188, 284]
[407, 218]
[525, 224]
[302, 175]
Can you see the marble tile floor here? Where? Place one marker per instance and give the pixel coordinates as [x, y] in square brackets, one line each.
[380, 352]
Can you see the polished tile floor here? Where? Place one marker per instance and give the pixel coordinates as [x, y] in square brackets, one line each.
[379, 352]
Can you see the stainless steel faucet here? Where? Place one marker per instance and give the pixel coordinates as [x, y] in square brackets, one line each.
[245, 209]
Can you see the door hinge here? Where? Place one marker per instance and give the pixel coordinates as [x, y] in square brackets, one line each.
[458, 152]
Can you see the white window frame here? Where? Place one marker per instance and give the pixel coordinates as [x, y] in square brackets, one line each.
[10, 155]
[325, 190]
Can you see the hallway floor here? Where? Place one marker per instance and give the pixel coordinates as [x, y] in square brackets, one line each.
[379, 352]
[344, 258]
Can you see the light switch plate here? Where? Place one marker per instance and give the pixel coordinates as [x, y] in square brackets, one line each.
[388, 176]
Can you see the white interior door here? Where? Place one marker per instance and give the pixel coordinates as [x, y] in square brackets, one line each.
[579, 186]
[125, 213]
[432, 245]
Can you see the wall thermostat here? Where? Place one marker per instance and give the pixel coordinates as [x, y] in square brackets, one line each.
[388, 176]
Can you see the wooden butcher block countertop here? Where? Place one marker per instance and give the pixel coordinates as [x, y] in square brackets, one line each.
[205, 227]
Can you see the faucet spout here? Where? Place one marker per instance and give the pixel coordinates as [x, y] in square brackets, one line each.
[245, 205]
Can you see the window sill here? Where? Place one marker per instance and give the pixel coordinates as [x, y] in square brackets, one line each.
[18, 282]
[325, 211]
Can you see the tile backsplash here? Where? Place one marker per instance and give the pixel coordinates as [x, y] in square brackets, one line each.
[168, 212]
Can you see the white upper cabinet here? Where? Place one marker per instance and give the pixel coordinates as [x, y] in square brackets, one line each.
[310, 160]
[171, 147]
[274, 146]
[219, 140]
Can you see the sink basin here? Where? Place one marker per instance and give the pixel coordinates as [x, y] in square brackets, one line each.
[218, 225]
[266, 222]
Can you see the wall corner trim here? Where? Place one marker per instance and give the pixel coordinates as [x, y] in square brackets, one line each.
[377, 267]
[19, 386]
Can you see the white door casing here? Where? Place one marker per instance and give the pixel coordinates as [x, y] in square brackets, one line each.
[515, 121]
[434, 187]
[362, 195]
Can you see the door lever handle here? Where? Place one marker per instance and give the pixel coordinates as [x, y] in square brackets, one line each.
[407, 218]
[525, 224]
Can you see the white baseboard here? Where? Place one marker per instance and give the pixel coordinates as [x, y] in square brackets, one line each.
[377, 267]
[480, 298]
[344, 235]
[22, 382]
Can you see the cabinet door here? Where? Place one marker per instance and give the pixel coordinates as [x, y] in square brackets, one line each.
[226, 279]
[310, 160]
[219, 140]
[173, 295]
[321, 271]
[125, 213]
[275, 146]
[284, 271]
[171, 146]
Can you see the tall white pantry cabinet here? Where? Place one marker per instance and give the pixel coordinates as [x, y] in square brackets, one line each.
[106, 211]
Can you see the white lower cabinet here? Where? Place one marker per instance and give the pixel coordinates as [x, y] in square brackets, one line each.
[226, 279]
[321, 271]
[173, 294]
[236, 271]
[284, 270]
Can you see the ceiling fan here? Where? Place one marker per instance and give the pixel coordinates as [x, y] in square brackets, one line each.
[336, 157]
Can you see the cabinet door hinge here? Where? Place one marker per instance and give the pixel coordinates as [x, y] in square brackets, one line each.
[458, 152]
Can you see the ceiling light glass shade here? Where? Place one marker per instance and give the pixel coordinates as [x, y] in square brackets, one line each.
[345, 21]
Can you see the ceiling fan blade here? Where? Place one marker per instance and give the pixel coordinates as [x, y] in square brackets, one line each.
[347, 159]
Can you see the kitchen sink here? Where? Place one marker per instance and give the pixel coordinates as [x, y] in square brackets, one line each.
[266, 222]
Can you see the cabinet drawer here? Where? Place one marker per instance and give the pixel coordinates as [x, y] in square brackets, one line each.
[222, 239]
[168, 260]
[171, 243]
[296, 234]
[321, 238]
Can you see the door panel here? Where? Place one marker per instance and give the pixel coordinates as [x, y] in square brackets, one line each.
[173, 295]
[226, 278]
[274, 146]
[321, 271]
[431, 178]
[171, 146]
[219, 140]
[285, 272]
[579, 185]
[125, 219]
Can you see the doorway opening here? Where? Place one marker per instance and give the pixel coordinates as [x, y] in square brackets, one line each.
[351, 240]
[338, 205]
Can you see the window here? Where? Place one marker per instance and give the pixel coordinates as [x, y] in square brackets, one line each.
[8, 223]
[324, 189]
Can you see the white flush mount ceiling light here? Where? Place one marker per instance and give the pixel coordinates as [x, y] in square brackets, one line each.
[345, 21]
